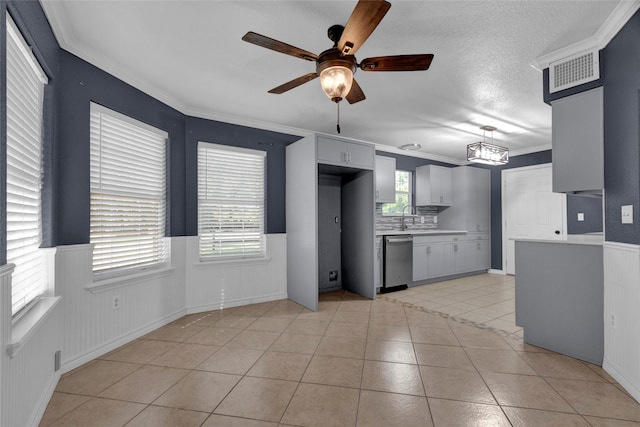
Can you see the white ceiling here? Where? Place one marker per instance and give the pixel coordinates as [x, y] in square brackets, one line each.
[189, 54]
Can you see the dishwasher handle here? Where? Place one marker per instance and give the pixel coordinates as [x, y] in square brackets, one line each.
[399, 239]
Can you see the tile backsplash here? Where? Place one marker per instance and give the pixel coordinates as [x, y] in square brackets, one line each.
[413, 222]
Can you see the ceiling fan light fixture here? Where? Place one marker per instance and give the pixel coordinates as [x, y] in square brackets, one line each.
[411, 147]
[336, 81]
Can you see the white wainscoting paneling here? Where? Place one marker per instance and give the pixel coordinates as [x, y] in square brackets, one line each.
[27, 376]
[92, 326]
[215, 285]
[621, 315]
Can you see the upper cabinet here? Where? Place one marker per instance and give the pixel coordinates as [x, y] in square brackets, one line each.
[339, 152]
[385, 179]
[578, 142]
[433, 186]
[471, 208]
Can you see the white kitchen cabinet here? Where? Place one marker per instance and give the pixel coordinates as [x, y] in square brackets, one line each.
[454, 257]
[477, 252]
[471, 207]
[428, 257]
[433, 186]
[334, 151]
[577, 135]
[385, 179]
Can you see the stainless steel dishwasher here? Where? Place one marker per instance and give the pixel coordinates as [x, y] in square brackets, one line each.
[398, 263]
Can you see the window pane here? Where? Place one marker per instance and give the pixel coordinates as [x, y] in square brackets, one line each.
[403, 194]
[128, 186]
[231, 201]
[25, 92]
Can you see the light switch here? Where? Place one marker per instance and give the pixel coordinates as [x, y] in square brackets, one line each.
[627, 214]
[580, 216]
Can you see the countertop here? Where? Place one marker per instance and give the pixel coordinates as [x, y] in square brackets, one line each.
[418, 232]
[572, 239]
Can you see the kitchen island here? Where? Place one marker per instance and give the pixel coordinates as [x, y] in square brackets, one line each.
[560, 295]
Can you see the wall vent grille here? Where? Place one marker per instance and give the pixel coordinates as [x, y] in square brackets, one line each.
[574, 71]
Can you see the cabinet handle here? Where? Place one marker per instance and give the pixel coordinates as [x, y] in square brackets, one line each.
[428, 250]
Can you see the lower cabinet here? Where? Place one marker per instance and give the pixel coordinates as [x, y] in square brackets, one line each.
[446, 255]
[377, 264]
[428, 257]
[477, 252]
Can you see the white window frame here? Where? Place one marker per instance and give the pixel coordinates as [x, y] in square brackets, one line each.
[130, 171]
[240, 190]
[25, 106]
[408, 193]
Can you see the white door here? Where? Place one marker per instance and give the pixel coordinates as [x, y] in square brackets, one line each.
[530, 209]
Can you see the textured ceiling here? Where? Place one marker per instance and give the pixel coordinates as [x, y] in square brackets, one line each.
[190, 55]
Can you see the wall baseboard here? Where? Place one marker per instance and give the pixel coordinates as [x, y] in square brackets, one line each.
[43, 401]
[234, 303]
[495, 271]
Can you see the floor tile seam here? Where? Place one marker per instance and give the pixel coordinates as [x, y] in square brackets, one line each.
[582, 363]
[546, 382]
[69, 411]
[140, 366]
[455, 318]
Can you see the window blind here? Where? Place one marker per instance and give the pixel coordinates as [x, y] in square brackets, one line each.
[231, 201]
[25, 92]
[128, 192]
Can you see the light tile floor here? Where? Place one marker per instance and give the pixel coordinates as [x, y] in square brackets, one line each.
[486, 300]
[355, 362]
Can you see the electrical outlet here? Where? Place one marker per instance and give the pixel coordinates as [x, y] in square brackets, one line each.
[580, 216]
[116, 302]
[613, 321]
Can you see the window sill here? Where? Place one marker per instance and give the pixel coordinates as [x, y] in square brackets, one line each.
[28, 324]
[232, 262]
[120, 281]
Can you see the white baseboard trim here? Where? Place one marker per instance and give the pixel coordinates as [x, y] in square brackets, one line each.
[234, 303]
[494, 271]
[43, 402]
[617, 375]
[69, 365]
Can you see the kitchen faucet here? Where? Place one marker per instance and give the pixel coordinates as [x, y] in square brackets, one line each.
[403, 225]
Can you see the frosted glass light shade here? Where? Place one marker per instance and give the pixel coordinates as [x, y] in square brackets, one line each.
[336, 82]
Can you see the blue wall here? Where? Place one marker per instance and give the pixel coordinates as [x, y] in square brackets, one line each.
[622, 132]
[73, 84]
[224, 133]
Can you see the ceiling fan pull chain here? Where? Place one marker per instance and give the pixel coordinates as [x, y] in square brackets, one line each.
[338, 124]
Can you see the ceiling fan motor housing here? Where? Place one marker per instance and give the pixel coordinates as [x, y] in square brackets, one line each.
[333, 58]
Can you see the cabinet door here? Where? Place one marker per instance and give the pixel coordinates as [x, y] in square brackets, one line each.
[441, 188]
[385, 179]
[435, 262]
[420, 262]
[433, 186]
[344, 153]
[451, 251]
[361, 155]
[577, 138]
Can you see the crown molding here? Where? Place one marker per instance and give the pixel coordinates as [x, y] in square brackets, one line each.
[612, 25]
[419, 154]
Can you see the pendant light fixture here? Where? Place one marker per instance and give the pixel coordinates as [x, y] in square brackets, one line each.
[488, 154]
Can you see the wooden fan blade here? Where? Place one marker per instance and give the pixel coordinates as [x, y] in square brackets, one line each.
[293, 83]
[363, 20]
[355, 94]
[278, 46]
[397, 63]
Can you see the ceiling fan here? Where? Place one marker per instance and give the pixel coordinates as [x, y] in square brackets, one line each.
[336, 66]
